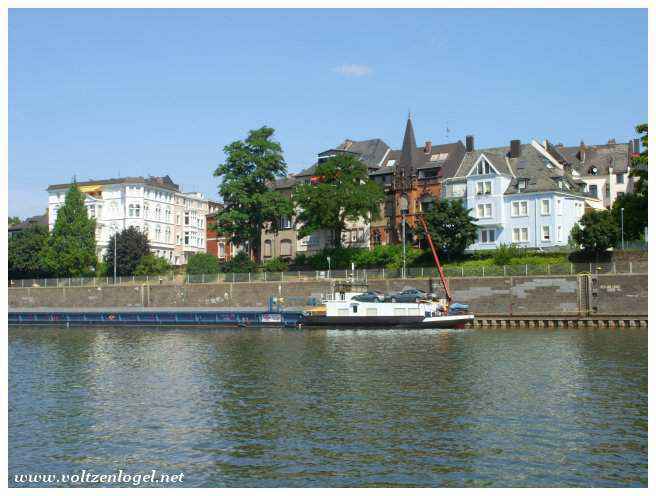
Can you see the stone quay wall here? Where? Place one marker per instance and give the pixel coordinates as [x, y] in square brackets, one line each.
[549, 296]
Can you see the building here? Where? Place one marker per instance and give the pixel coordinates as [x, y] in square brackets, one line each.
[519, 194]
[373, 153]
[281, 242]
[216, 244]
[174, 221]
[604, 169]
[412, 179]
[41, 220]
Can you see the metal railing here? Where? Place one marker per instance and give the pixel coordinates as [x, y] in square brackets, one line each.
[620, 267]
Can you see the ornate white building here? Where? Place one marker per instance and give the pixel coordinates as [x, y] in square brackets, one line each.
[173, 220]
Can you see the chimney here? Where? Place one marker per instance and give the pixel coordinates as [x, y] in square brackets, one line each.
[469, 140]
[515, 148]
[636, 145]
[428, 147]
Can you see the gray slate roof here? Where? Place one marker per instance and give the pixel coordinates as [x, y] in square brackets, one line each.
[29, 222]
[162, 182]
[370, 152]
[530, 165]
[602, 157]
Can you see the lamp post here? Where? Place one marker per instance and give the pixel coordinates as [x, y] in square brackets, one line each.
[403, 212]
[622, 224]
[328, 258]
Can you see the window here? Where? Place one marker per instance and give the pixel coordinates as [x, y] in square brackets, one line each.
[158, 233]
[439, 157]
[285, 223]
[186, 218]
[484, 188]
[137, 210]
[92, 210]
[487, 236]
[522, 184]
[168, 234]
[186, 238]
[607, 190]
[267, 248]
[177, 239]
[559, 233]
[619, 178]
[545, 207]
[131, 210]
[177, 219]
[593, 190]
[519, 208]
[286, 248]
[546, 233]
[484, 211]
[483, 167]
[520, 234]
[559, 206]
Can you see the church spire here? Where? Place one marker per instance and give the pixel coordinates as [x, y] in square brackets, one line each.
[409, 149]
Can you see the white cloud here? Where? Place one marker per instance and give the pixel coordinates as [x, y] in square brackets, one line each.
[353, 70]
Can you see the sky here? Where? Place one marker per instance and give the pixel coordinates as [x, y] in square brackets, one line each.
[106, 93]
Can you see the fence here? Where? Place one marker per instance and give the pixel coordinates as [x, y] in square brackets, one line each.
[381, 273]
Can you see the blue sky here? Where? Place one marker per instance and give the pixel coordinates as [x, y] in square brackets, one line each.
[97, 93]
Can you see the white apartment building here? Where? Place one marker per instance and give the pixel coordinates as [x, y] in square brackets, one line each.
[174, 221]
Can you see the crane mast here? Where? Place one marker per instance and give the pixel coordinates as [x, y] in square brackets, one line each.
[445, 283]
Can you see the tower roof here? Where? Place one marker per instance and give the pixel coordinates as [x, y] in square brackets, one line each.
[409, 148]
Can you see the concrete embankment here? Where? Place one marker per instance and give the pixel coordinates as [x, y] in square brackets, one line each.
[576, 296]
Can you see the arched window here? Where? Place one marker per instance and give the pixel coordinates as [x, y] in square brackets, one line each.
[286, 248]
[267, 248]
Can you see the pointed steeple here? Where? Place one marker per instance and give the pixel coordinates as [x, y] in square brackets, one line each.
[409, 149]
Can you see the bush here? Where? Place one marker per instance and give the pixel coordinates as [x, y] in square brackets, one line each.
[203, 263]
[505, 253]
[241, 262]
[150, 265]
[276, 265]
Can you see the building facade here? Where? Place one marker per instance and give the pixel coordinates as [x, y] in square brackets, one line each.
[519, 195]
[281, 242]
[174, 221]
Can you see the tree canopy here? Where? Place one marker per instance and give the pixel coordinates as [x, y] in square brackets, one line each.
[24, 253]
[151, 265]
[131, 246]
[13, 221]
[343, 192]
[451, 227]
[250, 168]
[597, 232]
[71, 247]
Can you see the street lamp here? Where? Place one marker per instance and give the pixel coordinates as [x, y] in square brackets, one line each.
[622, 224]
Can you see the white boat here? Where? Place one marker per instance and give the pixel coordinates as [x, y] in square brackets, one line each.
[341, 309]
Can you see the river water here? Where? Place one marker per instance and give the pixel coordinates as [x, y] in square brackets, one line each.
[242, 407]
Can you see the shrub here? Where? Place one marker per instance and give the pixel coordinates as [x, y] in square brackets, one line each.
[241, 262]
[150, 265]
[505, 253]
[203, 263]
[276, 265]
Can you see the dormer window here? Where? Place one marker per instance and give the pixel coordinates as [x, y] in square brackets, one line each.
[483, 167]
[593, 171]
[522, 184]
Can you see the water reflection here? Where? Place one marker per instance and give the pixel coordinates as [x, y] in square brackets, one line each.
[333, 408]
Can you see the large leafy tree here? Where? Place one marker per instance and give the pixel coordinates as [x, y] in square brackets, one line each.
[150, 265]
[451, 227]
[13, 221]
[249, 202]
[596, 232]
[71, 247]
[343, 192]
[635, 204]
[24, 254]
[203, 263]
[131, 246]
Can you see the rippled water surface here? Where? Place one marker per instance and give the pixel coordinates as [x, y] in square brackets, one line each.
[333, 408]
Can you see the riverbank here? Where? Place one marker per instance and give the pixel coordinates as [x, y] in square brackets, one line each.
[555, 297]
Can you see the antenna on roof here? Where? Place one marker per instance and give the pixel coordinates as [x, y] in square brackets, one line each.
[447, 131]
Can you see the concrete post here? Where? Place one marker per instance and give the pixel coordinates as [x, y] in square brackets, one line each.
[483, 267]
[383, 272]
[571, 268]
[462, 271]
[282, 276]
[504, 271]
[614, 268]
[527, 269]
[630, 267]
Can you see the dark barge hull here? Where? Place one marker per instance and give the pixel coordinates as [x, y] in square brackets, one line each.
[156, 317]
[406, 322]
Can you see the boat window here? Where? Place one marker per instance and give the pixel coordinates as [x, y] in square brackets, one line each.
[355, 309]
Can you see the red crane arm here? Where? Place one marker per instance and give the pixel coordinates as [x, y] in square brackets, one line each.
[437, 259]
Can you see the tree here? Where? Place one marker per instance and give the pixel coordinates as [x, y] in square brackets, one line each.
[131, 246]
[13, 221]
[635, 204]
[71, 247]
[241, 262]
[24, 253]
[343, 193]
[596, 232]
[249, 203]
[451, 227]
[150, 265]
[203, 263]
